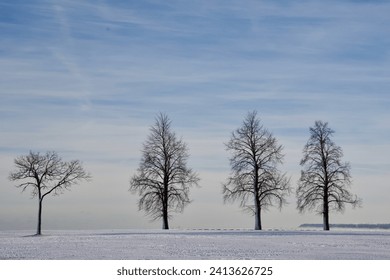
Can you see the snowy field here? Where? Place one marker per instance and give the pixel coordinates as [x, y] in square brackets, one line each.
[195, 244]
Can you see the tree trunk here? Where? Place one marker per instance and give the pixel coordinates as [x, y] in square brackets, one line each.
[257, 202]
[165, 219]
[39, 217]
[257, 212]
[326, 207]
[258, 218]
[326, 217]
[165, 203]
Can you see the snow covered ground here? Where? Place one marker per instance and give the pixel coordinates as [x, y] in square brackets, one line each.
[195, 244]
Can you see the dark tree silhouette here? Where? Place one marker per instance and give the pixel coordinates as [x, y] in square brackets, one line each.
[254, 163]
[46, 174]
[324, 180]
[163, 179]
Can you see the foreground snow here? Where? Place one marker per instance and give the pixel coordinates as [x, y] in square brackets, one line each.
[195, 244]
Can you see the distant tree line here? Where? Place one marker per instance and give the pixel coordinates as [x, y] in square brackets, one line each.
[358, 226]
[163, 179]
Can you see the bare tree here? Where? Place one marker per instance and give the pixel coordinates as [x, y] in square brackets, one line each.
[255, 175]
[46, 174]
[163, 179]
[324, 180]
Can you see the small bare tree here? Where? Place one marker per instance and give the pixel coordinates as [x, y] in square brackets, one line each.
[46, 174]
[324, 180]
[255, 174]
[163, 179]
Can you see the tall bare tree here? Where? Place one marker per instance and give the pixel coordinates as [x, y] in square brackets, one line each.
[163, 179]
[325, 179]
[46, 174]
[255, 174]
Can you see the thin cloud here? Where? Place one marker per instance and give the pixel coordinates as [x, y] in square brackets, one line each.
[87, 78]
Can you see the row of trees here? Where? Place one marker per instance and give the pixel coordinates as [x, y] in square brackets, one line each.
[163, 180]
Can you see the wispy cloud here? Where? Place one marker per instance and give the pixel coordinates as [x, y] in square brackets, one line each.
[87, 77]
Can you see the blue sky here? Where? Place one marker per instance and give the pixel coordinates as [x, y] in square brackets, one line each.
[87, 78]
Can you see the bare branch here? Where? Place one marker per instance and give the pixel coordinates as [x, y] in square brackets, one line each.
[46, 174]
[163, 179]
[254, 163]
[324, 180]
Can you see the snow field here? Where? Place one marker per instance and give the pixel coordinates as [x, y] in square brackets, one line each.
[195, 244]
